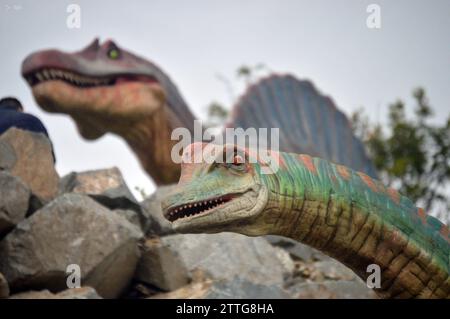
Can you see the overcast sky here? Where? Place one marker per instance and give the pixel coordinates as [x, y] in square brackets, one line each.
[327, 42]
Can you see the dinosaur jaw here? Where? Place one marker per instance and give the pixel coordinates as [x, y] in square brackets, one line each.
[83, 80]
[100, 105]
[229, 212]
[125, 95]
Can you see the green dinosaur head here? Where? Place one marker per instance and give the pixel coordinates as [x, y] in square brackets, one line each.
[221, 194]
[103, 87]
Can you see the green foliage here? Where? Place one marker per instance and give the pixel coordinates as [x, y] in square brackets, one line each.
[411, 155]
[217, 114]
[249, 73]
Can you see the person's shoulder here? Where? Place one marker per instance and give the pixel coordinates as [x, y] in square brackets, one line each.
[23, 120]
[29, 117]
[34, 122]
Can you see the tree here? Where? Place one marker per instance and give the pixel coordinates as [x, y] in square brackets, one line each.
[411, 154]
[217, 113]
[249, 73]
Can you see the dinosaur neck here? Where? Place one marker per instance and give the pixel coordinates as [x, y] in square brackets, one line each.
[352, 218]
[150, 140]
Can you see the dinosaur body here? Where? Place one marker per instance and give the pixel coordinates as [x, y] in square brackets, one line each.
[309, 122]
[344, 213]
[105, 88]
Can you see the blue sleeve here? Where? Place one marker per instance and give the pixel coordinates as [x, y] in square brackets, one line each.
[23, 121]
[31, 123]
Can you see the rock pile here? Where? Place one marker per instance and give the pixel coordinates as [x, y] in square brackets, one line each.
[87, 230]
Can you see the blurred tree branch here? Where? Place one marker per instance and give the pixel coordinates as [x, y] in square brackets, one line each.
[411, 155]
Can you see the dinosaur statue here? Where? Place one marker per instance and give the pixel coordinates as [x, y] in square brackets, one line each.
[345, 214]
[105, 88]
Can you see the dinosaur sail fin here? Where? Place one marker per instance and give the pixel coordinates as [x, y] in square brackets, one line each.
[308, 121]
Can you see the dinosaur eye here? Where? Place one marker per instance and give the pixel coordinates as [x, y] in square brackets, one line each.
[238, 164]
[238, 160]
[113, 54]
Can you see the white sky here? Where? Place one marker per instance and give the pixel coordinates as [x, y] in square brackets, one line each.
[193, 41]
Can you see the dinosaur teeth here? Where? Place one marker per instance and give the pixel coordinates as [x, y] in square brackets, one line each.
[83, 81]
[69, 77]
[192, 209]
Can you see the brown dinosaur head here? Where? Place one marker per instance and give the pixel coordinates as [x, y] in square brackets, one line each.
[103, 87]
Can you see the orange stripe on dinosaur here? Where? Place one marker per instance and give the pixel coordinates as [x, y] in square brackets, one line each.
[343, 171]
[308, 161]
[394, 195]
[279, 158]
[368, 181]
[422, 215]
[333, 179]
[444, 231]
[381, 187]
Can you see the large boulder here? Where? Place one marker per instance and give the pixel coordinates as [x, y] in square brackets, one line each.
[326, 279]
[320, 271]
[216, 256]
[329, 289]
[4, 287]
[34, 294]
[79, 293]
[14, 201]
[73, 293]
[72, 229]
[108, 187]
[334, 270]
[103, 182]
[233, 288]
[161, 267]
[7, 155]
[297, 250]
[29, 156]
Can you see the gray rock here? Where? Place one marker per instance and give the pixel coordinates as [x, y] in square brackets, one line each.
[75, 293]
[296, 249]
[153, 212]
[161, 267]
[107, 182]
[341, 289]
[72, 229]
[222, 256]
[14, 200]
[195, 290]
[35, 204]
[334, 270]
[108, 187]
[238, 288]
[31, 159]
[41, 294]
[130, 215]
[234, 288]
[79, 293]
[7, 156]
[4, 287]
